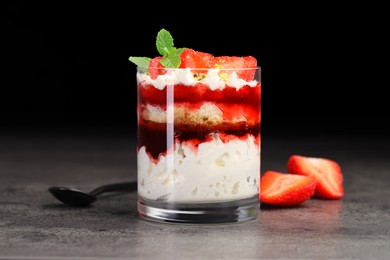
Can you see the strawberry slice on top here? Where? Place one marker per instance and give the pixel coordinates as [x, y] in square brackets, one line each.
[196, 60]
[241, 65]
[155, 67]
[284, 189]
[327, 172]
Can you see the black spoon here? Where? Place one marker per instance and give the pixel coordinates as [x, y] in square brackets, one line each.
[75, 197]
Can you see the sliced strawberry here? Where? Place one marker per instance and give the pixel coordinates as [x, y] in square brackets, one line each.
[327, 172]
[243, 66]
[196, 60]
[286, 189]
[155, 67]
[250, 62]
[228, 62]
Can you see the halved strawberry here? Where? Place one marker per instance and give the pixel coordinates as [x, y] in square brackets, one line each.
[250, 62]
[243, 66]
[327, 172]
[155, 67]
[195, 60]
[228, 62]
[286, 189]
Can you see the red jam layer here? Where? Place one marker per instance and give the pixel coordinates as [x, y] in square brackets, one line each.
[154, 136]
[200, 92]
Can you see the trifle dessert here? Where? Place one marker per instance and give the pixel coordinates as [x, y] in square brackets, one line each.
[198, 135]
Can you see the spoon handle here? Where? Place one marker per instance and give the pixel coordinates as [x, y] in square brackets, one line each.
[123, 186]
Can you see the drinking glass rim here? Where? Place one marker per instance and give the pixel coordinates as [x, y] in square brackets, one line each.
[205, 69]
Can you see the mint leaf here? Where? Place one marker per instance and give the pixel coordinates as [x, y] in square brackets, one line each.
[164, 42]
[141, 62]
[173, 59]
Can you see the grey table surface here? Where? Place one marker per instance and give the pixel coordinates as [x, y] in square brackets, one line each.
[33, 225]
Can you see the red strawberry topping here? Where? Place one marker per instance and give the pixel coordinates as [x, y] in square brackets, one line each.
[241, 65]
[195, 59]
[199, 61]
[155, 67]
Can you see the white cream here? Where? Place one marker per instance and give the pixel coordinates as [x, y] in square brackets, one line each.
[186, 77]
[216, 172]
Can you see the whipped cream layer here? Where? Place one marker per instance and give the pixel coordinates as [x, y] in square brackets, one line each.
[215, 171]
[186, 77]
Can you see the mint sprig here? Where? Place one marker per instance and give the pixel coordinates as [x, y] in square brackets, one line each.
[165, 46]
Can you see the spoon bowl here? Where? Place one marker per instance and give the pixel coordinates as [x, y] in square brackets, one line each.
[73, 197]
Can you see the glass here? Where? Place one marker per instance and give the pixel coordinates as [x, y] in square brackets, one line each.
[198, 144]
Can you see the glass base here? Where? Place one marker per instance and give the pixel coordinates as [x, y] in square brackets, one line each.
[221, 212]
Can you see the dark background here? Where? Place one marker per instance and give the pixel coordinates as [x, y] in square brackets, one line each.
[66, 64]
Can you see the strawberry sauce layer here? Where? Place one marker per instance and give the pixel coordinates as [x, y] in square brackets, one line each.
[201, 93]
[154, 137]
